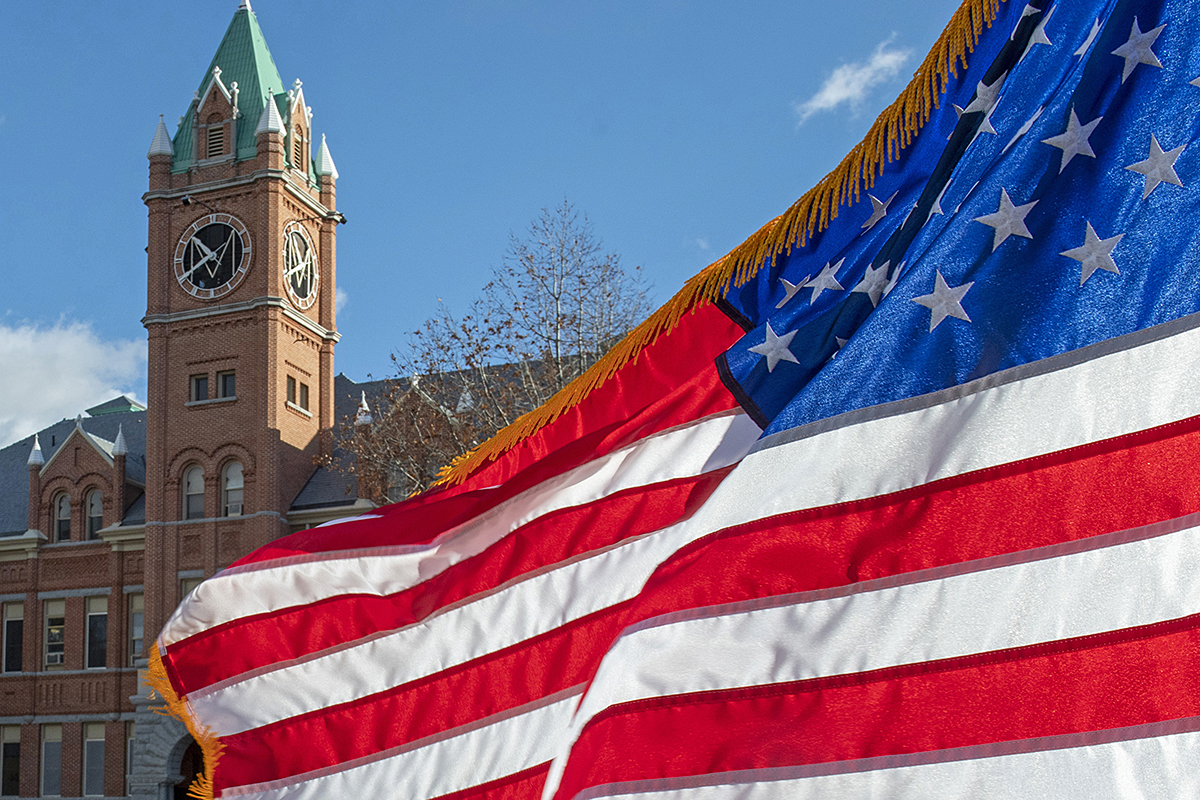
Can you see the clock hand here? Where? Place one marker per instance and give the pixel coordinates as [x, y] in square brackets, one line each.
[220, 254]
[197, 243]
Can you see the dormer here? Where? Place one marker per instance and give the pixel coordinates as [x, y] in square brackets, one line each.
[215, 121]
[299, 130]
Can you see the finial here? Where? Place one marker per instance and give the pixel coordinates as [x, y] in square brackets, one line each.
[363, 417]
[324, 161]
[35, 455]
[119, 446]
[160, 145]
[245, 6]
[216, 72]
[297, 84]
[79, 423]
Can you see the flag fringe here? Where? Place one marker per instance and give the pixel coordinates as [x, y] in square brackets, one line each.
[175, 706]
[892, 131]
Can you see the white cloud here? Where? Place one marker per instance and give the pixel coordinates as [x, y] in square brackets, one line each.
[850, 83]
[47, 374]
[702, 244]
[340, 298]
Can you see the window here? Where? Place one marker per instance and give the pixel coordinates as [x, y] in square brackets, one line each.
[62, 518]
[137, 621]
[56, 617]
[14, 628]
[52, 760]
[97, 632]
[10, 759]
[193, 493]
[231, 490]
[291, 390]
[304, 396]
[95, 513]
[298, 149]
[93, 759]
[226, 385]
[199, 388]
[187, 586]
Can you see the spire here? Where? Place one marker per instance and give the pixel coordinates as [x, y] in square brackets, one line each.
[244, 58]
[119, 447]
[270, 121]
[245, 6]
[363, 417]
[161, 144]
[324, 163]
[35, 455]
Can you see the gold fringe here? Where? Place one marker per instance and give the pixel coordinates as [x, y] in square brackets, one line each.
[176, 706]
[893, 131]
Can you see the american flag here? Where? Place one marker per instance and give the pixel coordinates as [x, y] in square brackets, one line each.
[922, 524]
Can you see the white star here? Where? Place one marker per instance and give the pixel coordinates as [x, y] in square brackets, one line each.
[985, 96]
[1039, 34]
[1195, 81]
[1083, 48]
[1024, 129]
[945, 301]
[824, 281]
[936, 208]
[775, 348]
[1137, 49]
[874, 282]
[1074, 140]
[1008, 220]
[840, 344]
[1095, 253]
[878, 210]
[789, 291]
[895, 277]
[1159, 167]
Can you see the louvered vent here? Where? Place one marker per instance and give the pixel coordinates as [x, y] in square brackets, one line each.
[297, 150]
[216, 141]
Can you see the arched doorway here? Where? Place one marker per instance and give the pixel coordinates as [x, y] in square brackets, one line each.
[190, 767]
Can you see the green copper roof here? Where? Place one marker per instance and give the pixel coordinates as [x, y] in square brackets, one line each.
[243, 57]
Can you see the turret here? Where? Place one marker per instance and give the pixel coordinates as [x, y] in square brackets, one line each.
[36, 462]
[161, 154]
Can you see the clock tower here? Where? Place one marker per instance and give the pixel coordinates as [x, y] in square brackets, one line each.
[241, 273]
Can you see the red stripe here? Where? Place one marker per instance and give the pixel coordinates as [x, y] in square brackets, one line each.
[1062, 497]
[668, 385]
[249, 643]
[1092, 683]
[521, 786]
[494, 684]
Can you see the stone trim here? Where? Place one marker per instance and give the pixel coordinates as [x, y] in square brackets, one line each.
[267, 301]
[59, 593]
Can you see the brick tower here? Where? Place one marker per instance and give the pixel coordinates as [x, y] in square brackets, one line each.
[240, 314]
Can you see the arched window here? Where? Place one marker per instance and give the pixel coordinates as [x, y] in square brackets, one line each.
[231, 490]
[62, 518]
[193, 492]
[95, 513]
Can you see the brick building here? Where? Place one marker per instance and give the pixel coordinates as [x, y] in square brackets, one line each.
[107, 521]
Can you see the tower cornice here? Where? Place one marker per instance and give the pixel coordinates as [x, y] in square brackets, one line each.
[300, 191]
[237, 308]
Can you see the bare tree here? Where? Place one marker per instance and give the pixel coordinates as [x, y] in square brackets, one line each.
[558, 302]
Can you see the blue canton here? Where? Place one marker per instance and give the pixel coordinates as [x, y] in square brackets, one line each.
[1056, 211]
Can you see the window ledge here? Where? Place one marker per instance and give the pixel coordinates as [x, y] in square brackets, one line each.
[210, 402]
[298, 409]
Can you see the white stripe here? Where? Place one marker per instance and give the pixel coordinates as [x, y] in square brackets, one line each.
[1088, 402]
[485, 625]
[1122, 586]
[485, 754]
[1160, 768]
[693, 449]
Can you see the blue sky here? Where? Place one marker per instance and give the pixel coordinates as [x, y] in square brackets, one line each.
[679, 128]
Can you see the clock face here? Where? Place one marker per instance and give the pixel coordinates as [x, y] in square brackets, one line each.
[300, 273]
[212, 256]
